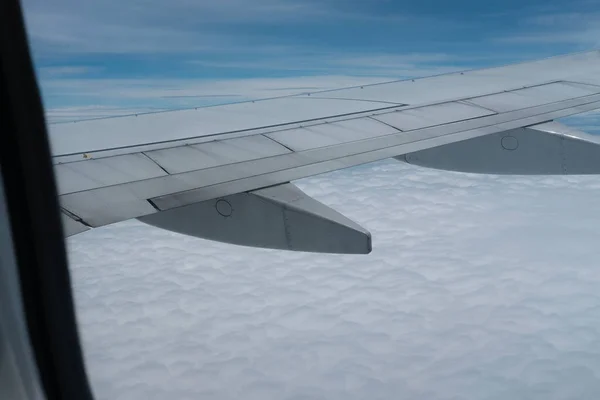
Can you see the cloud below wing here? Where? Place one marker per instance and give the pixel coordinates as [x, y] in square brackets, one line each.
[477, 284]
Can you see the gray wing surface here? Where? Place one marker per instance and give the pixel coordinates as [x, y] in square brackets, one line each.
[203, 172]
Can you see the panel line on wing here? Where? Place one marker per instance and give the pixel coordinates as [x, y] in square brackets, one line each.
[590, 86]
[354, 99]
[331, 133]
[279, 143]
[153, 204]
[74, 217]
[381, 122]
[157, 164]
[531, 96]
[476, 105]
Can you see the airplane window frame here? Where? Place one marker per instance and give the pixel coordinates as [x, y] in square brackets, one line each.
[34, 218]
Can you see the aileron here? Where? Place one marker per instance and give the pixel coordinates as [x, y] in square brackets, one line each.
[329, 134]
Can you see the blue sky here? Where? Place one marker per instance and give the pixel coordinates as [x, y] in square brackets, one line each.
[166, 54]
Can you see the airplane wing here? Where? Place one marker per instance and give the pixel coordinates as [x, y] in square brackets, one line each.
[224, 172]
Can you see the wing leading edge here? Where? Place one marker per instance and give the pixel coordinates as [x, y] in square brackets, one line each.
[178, 178]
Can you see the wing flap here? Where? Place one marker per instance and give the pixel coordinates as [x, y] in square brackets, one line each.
[438, 114]
[329, 134]
[211, 154]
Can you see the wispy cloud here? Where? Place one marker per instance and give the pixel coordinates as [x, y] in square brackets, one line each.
[54, 33]
[377, 64]
[67, 70]
[573, 28]
[145, 53]
[184, 26]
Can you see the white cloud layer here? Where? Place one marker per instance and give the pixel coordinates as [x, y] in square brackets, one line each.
[478, 287]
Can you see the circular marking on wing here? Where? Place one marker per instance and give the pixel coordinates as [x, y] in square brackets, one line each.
[224, 207]
[509, 143]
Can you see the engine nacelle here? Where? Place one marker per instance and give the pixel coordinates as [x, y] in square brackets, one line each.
[545, 149]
